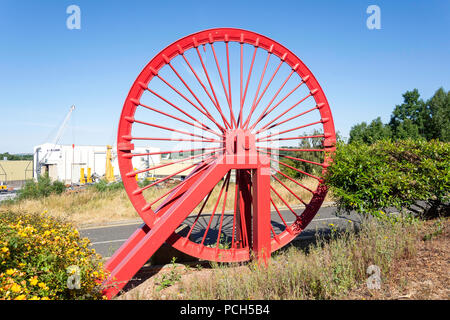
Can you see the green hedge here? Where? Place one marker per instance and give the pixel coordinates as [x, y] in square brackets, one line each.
[391, 174]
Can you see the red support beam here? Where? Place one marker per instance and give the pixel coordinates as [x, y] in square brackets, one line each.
[261, 214]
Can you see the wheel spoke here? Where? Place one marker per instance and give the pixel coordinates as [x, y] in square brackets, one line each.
[177, 186]
[173, 130]
[244, 185]
[263, 113]
[255, 105]
[223, 210]
[203, 127]
[295, 138]
[292, 129]
[229, 88]
[293, 149]
[286, 111]
[176, 107]
[278, 211]
[257, 90]
[298, 170]
[130, 155]
[246, 87]
[205, 112]
[199, 213]
[213, 212]
[214, 101]
[290, 191]
[233, 230]
[171, 139]
[294, 158]
[289, 119]
[241, 69]
[281, 101]
[227, 94]
[295, 181]
[284, 201]
[134, 173]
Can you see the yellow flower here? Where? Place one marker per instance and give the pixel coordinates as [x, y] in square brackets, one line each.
[45, 298]
[43, 286]
[10, 271]
[15, 288]
[21, 297]
[46, 233]
[5, 249]
[33, 281]
[35, 298]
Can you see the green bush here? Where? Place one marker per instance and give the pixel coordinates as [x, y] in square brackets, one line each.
[105, 186]
[42, 188]
[40, 257]
[391, 174]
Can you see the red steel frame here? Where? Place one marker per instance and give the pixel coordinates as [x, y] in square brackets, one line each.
[238, 137]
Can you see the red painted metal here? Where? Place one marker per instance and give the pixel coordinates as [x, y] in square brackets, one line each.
[236, 153]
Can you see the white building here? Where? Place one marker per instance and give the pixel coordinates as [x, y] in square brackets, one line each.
[63, 162]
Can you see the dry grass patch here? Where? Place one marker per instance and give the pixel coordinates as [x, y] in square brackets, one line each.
[333, 268]
[85, 206]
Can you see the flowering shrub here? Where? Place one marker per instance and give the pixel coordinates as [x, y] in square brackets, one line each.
[43, 258]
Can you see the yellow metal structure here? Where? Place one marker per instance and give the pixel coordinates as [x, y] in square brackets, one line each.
[109, 174]
[89, 176]
[82, 178]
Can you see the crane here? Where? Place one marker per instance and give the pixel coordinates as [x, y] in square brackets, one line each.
[55, 141]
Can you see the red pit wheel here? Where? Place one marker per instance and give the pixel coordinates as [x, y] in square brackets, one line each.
[228, 107]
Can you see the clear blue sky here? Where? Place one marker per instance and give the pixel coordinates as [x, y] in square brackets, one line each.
[45, 67]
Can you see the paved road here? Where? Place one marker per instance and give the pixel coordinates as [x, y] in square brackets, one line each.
[107, 239]
[7, 195]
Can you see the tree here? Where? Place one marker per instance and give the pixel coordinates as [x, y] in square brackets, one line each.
[368, 134]
[409, 118]
[413, 119]
[438, 126]
[9, 156]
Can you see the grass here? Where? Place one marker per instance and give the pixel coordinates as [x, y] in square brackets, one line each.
[98, 204]
[327, 269]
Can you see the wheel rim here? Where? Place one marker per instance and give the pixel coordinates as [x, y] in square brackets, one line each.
[240, 79]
